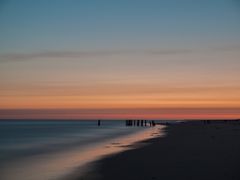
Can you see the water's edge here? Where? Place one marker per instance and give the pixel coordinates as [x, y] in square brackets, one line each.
[148, 134]
[73, 154]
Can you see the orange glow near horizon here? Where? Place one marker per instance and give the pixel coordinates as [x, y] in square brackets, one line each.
[99, 87]
[122, 97]
[116, 113]
[168, 103]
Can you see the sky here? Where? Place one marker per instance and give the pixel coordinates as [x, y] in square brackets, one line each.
[109, 59]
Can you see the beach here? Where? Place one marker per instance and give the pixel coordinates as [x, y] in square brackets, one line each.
[47, 150]
[189, 150]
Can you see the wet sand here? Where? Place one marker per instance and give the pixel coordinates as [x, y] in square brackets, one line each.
[62, 164]
[191, 150]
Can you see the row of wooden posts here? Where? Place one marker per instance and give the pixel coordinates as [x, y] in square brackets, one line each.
[140, 123]
[136, 123]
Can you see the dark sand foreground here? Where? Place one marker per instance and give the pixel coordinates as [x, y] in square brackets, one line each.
[191, 150]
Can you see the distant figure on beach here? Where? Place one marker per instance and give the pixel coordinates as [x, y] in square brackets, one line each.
[99, 122]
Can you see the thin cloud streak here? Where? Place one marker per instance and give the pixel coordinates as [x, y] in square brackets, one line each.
[110, 89]
[83, 54]
[6, 57]
[148, 113]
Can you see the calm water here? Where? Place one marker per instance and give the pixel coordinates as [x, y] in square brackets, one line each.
[53, 149]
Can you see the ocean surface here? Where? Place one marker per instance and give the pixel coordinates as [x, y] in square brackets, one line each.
[42, 150]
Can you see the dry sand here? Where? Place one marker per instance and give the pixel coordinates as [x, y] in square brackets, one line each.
[190, 151]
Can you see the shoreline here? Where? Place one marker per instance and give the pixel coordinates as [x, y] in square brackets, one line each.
[62, 164]
[190, 150]
[118, 145]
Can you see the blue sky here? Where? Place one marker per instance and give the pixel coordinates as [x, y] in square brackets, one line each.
[35, 26]
[147, 54]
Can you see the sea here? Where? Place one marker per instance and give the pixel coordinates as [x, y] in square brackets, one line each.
[59, 149]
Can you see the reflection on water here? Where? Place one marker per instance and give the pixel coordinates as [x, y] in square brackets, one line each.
[62, 163]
